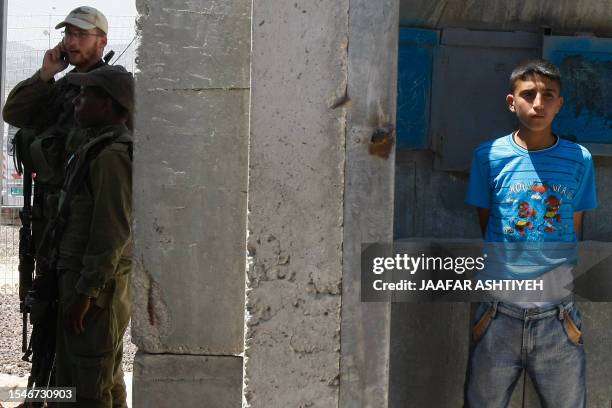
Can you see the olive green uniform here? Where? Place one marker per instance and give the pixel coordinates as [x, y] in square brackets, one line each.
[45, 111]
[95, 260]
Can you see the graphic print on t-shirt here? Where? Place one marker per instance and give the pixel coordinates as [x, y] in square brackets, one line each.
[532, 195]
[535, 207]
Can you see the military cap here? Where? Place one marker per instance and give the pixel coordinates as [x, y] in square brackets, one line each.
[114, 79]
[86, 18]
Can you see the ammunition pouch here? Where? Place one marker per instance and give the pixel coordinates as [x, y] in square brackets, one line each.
[42, 154]
[47, 155]
[21, 147]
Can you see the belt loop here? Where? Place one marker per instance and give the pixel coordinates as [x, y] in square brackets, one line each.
[494, 307]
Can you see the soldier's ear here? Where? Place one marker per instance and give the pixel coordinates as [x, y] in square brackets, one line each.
[103, 41]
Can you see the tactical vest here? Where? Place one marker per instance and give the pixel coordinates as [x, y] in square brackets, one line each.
[76, 201]
[44, 149]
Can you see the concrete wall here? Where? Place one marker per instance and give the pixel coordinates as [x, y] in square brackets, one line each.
[296, 179]
[430, 203]
[368, 197]
[566, 17]
[190, 184]
[320, 168]
[320, 183]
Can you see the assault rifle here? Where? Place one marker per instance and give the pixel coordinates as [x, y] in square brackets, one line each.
[26, 255]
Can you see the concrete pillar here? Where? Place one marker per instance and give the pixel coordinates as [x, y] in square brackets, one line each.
[320, 183]
[190, 182]
[368, 197]
[296, 184]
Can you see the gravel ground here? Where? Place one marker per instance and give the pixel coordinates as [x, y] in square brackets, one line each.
[10, 339]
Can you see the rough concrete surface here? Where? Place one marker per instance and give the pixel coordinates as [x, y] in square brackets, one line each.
[368, 199]
[190, 176]
[190, 250]
[296, 163]
[169, 381]
[194, 44]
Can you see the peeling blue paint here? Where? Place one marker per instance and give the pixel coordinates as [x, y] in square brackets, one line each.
[586, 71]
[415, 66]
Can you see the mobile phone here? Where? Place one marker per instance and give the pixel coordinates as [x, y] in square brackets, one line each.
[64, 55]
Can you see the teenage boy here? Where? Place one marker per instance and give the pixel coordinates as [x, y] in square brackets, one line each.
[531, 189]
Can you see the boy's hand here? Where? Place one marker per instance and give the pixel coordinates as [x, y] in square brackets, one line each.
[483, 219]
[578, 216]
[53, 62]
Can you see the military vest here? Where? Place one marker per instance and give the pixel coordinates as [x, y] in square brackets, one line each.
[77, 232]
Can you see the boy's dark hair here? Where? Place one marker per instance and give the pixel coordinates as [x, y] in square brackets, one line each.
[120, 110]
[528, 69]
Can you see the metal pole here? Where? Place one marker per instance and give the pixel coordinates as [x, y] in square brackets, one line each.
[3, 32]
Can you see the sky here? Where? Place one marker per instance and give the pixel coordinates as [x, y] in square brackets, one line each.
[31, 21]
[63, 7]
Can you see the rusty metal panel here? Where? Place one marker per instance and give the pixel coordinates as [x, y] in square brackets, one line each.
[470, 82]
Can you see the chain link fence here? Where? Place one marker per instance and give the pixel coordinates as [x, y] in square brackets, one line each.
[9, 251]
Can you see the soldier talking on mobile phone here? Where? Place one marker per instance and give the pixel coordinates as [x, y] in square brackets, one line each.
[42, 107]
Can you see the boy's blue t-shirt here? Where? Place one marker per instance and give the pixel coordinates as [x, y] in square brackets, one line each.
[532, 195]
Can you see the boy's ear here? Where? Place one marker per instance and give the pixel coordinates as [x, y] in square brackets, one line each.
[510, 102]
[561, 100]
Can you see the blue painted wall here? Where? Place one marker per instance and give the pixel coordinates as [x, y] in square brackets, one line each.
[415, 67]
[586, 72]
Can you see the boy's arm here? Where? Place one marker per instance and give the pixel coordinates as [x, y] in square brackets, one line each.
[578, 216]
[483, 219]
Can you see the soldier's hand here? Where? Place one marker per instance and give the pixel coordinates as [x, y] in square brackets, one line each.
[53, 62]
[73, 320]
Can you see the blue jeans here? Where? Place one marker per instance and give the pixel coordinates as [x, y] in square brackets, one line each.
[547, 342]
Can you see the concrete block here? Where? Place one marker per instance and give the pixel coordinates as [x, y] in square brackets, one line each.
[195, 44]
[168, 381]
[296, 163]
[190, 206]
[368, 196]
